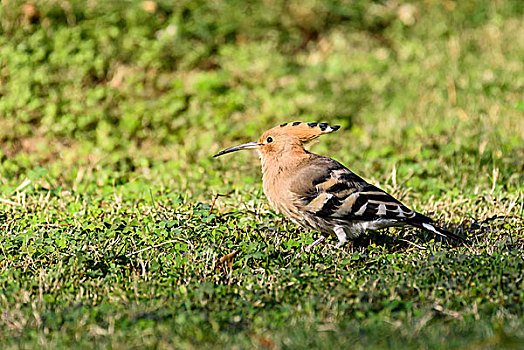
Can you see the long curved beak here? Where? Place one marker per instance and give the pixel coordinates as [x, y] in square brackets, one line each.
[249, 145]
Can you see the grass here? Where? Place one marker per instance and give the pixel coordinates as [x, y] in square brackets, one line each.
[112, 231]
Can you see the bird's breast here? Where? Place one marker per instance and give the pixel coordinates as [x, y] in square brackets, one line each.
[275, 186]
[272, 190]
[278, 172]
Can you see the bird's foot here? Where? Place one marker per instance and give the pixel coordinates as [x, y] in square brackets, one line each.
[340, 244]
[341, 235]
[341, 241]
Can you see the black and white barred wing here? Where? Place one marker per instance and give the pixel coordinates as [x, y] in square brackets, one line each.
[334, 192]
[330, 191]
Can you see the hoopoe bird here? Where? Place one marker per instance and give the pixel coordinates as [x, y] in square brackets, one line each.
[319, 193]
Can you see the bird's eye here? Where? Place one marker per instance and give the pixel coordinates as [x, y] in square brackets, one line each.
[269, 139]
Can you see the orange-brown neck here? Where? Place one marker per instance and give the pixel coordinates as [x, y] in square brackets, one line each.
[277, 170]
[283, 159]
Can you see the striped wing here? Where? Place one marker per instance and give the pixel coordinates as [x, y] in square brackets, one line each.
[331, 191]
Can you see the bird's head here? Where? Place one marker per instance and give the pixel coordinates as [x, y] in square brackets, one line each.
[284, 137]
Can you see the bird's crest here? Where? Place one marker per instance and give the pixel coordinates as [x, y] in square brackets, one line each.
[281, 136]
[306, 131]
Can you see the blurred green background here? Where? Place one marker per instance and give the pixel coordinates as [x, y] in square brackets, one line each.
[154, 88]
[110, 112]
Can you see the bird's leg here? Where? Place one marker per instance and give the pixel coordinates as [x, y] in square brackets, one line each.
[314, 244]
[341, 235]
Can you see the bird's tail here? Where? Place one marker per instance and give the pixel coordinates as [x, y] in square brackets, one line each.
[425, 223]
